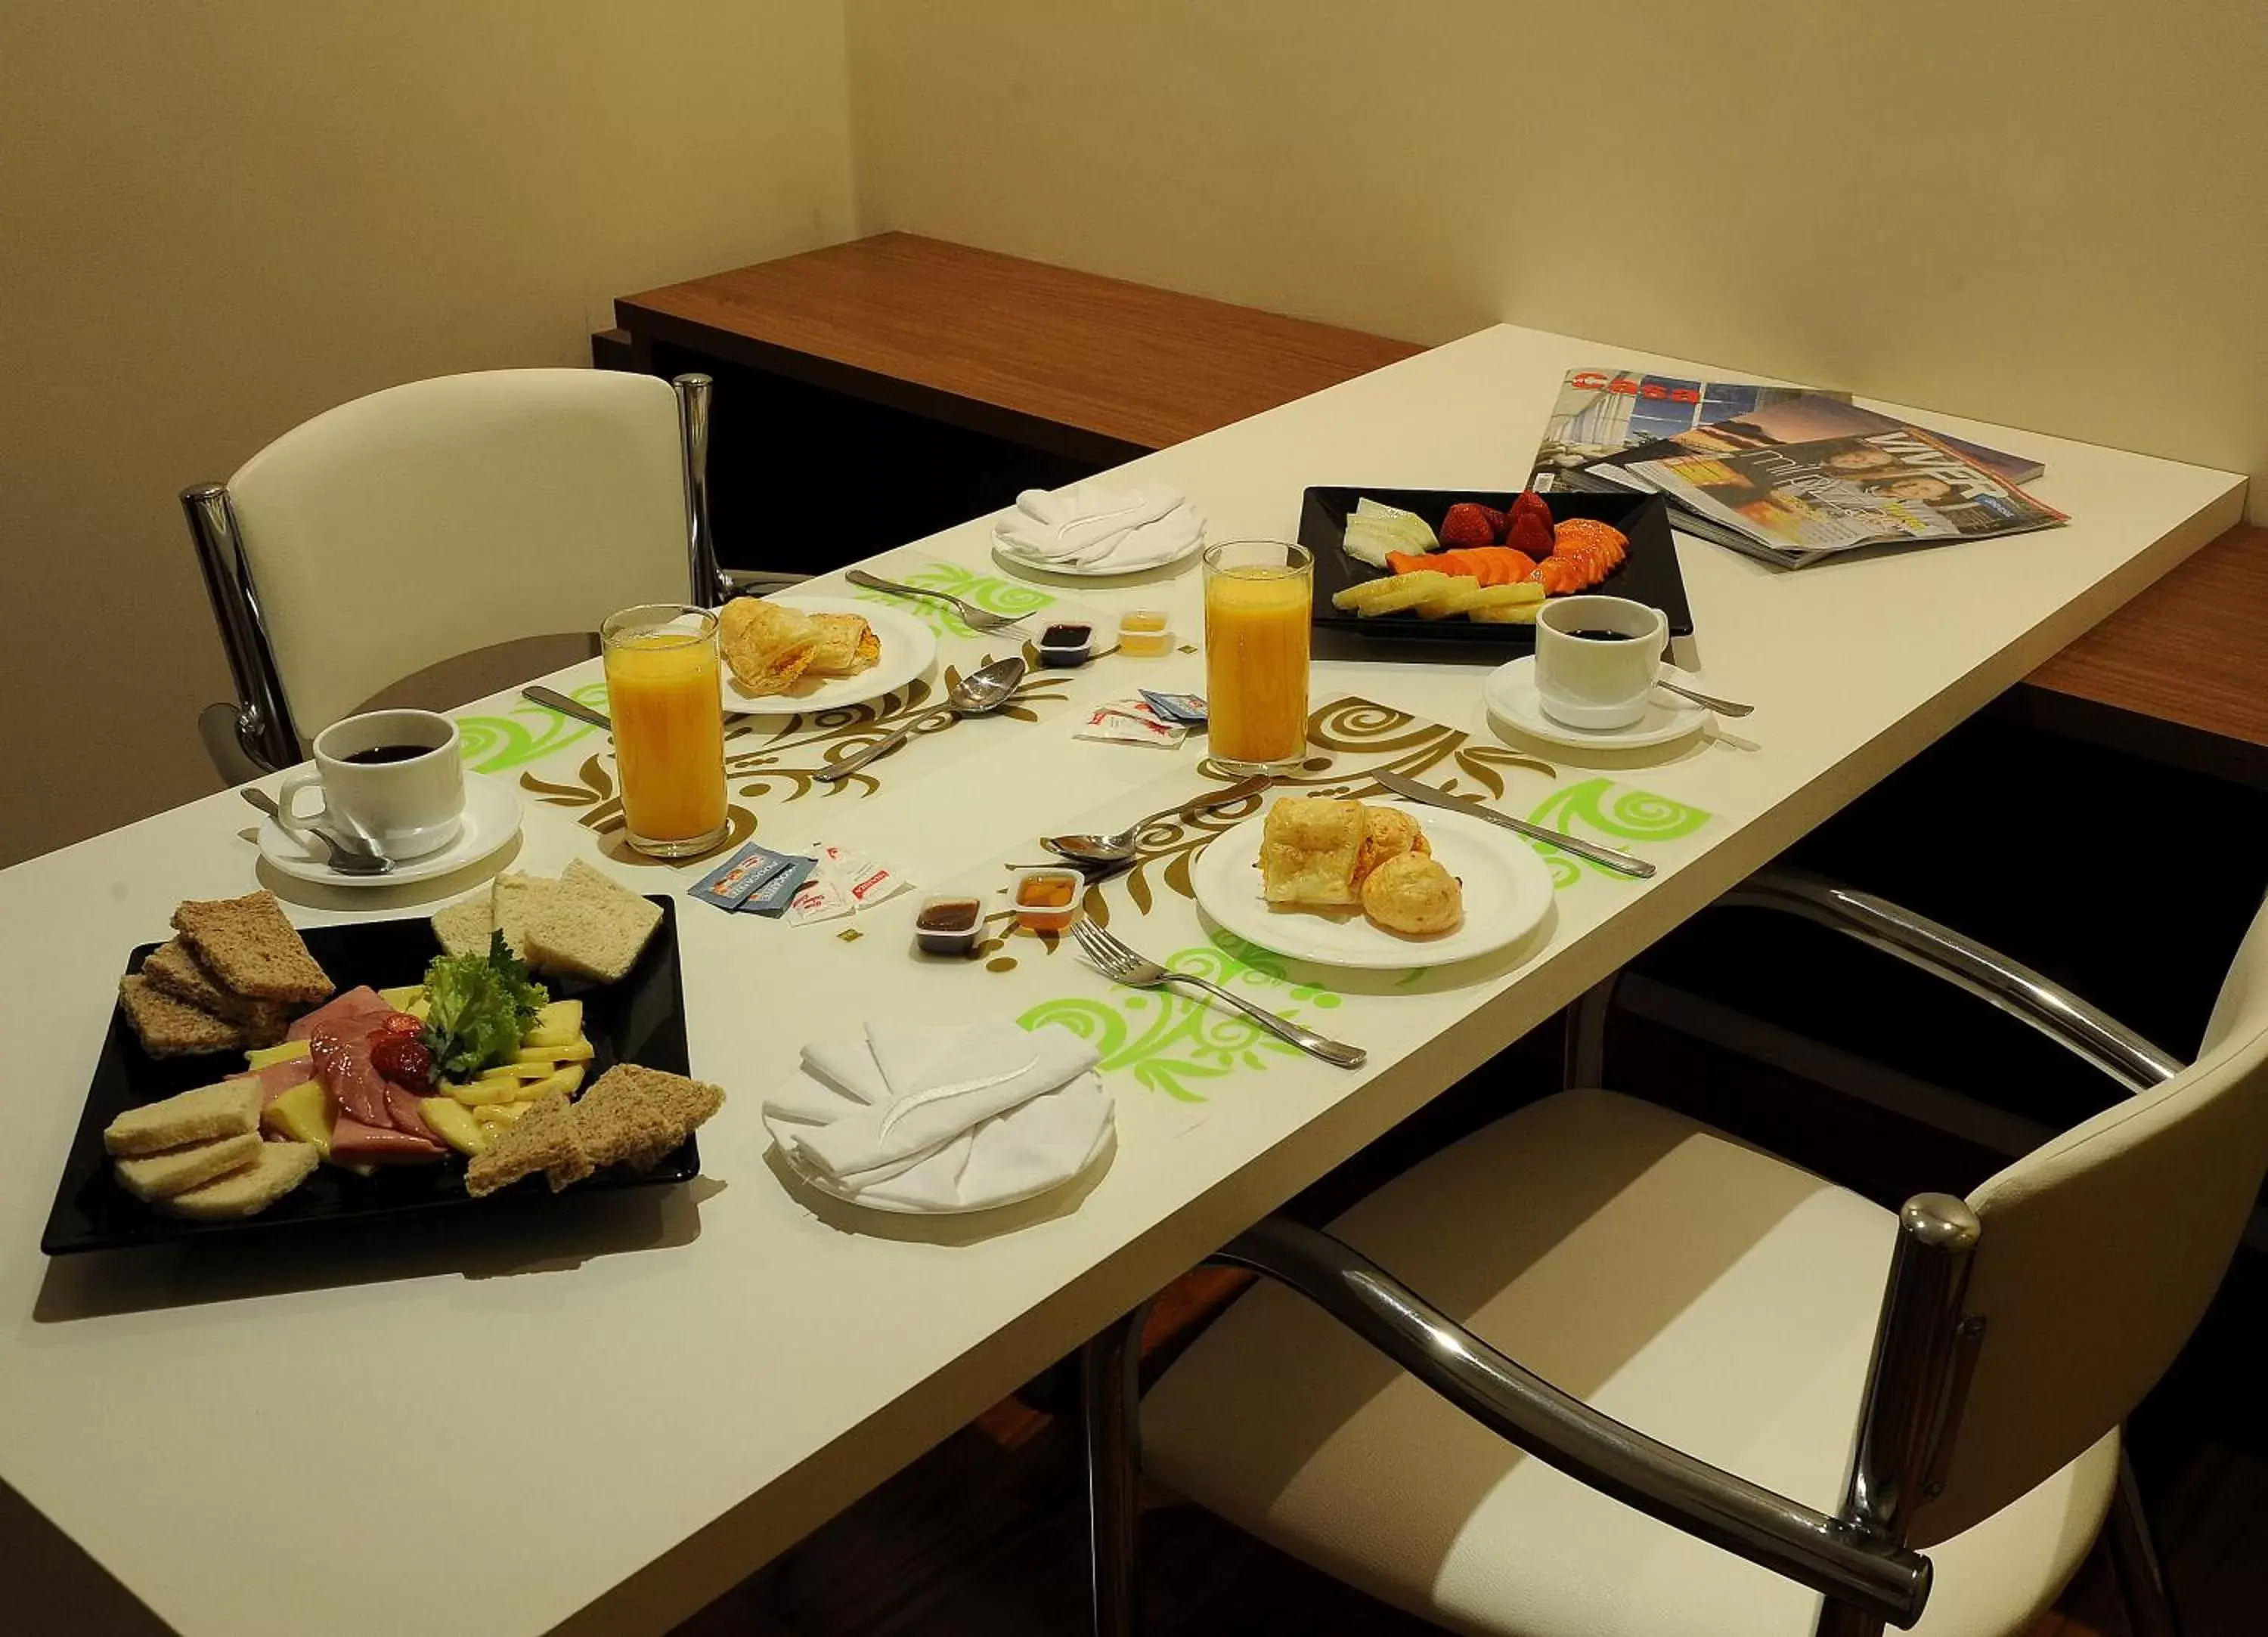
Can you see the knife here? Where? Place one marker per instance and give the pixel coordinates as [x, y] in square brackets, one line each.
[1414, 792]
[552, 699]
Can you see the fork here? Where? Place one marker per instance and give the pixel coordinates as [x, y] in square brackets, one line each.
[974, 618]
[1122, 965]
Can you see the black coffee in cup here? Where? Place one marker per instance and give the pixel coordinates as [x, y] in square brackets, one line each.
[378, 754]
[1603, 636]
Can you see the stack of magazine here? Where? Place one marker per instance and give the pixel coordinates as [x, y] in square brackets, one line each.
[1781, 473]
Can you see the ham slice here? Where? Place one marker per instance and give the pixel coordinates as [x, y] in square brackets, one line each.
[354, 1143]
[341, 1014]
[278, 1078]
[358, 1092]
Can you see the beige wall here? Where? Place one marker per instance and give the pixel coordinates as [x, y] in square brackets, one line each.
[219, 219]
[2054, 217]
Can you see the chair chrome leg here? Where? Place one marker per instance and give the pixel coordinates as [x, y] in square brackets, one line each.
[1584, 1057]
[1110, 1409]
[2142, 1585]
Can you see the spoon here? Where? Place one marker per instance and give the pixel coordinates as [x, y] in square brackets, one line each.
[979, 693]
[349, 858]
[1710, 701]
[1119, 844]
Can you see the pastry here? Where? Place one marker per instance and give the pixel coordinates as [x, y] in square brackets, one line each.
[1307, 851]
[847, 645]
[1386, 832]
[768, 646]
[1412, 894]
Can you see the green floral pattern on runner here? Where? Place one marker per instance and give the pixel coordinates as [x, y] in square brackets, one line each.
[987, 591]
[1602, 806]
[1174, 1045]
[492, 744]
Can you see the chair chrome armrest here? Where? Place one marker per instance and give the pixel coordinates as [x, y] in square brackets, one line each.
[1846, 1562]
[2024, 994]
[264, 730]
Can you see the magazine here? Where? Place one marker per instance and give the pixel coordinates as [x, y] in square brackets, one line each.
[1795, 417]
[1602, 412]
[1795, 503]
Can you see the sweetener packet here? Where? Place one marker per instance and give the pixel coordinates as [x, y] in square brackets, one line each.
[776, 893]
[741, 877]
[1187, 708]
[1130, 721]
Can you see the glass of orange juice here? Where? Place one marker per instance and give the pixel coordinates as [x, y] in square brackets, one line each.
[663, 692]
[1257, 596]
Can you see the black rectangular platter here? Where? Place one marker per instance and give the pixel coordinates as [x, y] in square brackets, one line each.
[639, 1020]
[1648, 574]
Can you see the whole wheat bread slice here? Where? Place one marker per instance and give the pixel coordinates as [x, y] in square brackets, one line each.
[168, 1027]
[634, 1115]
[247, 944]
[544, 1139]
[174, 968]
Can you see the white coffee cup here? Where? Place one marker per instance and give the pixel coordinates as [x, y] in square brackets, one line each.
[1592, 681]
[409, 804]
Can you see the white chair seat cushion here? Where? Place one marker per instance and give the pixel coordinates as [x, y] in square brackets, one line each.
[1710, 1294]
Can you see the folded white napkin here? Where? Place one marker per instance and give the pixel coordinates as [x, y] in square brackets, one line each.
[1096, 528]
[959, 1118]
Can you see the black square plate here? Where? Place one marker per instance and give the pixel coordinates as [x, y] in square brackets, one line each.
[1648, 574]
[639, 1020]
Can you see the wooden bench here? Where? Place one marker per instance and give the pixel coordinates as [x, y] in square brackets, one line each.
[907, 384]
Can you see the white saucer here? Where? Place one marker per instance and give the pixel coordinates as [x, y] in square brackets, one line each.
[1510, 693]
[909, 648]
[491, 819]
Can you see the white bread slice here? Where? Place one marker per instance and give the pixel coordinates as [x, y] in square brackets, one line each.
[277, 1169]
[589, 926]
[228, 1109]
[517, 898]
[464, 925]
[176, 1171]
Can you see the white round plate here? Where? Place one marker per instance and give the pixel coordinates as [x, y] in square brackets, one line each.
[908, 646]
[1107, 1142]
[1507, 891]
[491, 819]
[1510, 693]
[1081, 571]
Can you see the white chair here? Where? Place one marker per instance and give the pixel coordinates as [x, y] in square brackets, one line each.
[441, 517]
[1747, 1402]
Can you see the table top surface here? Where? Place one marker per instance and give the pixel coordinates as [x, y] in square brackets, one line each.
[609, 1414]
[1145, 366]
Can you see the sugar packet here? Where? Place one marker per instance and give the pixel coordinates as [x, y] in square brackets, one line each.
[1186, 709]
[745, 875]
[1130, 721]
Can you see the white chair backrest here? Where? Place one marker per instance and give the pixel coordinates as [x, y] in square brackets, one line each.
[441, 517]
[2099, 1252]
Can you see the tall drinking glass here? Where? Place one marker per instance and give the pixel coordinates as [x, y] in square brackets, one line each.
[663, 693]
[1257, 596]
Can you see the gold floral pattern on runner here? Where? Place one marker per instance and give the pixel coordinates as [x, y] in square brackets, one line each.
[781, 759]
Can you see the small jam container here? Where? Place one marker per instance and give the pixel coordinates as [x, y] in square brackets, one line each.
[947, 924]
[1066, 647]
[1046, 900]
[1142, 633]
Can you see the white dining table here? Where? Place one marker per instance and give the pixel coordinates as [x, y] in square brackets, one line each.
[598, 1417]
